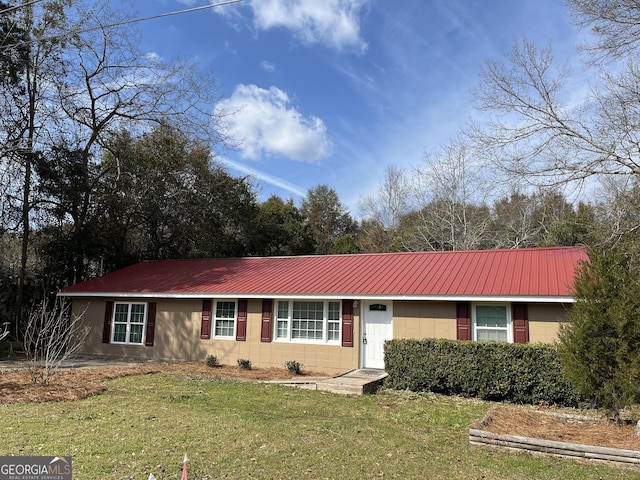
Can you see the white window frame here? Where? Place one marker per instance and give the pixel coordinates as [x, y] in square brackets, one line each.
[128, 324]
[492, 304]
[215, 319]
[289, 322]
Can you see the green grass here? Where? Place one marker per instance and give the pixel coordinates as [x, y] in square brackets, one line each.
[240, 430]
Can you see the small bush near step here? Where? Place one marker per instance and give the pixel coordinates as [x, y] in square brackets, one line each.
[244, 364]
[211, 361]
[293, 366]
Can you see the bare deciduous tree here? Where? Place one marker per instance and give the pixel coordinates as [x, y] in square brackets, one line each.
[450, 193]
[615, 24]
[541, 131]
[535, 134]
[384, 211]
[52, 335]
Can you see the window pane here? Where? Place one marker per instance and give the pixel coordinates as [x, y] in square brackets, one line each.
[491, 335]
[225, 309]
[282, 329]
[283, 309]
[122, 312]
[224, 328]
[307, 320]
[334, 311]
[334, 331]
[308, 310]
[119, 332]
[491, 316]
[282, 325]
[333, 326]
[137, 313]
[135, 335]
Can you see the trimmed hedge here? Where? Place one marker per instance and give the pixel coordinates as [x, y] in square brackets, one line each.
[494, 371]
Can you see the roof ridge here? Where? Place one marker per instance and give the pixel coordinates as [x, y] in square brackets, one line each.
[371, 254]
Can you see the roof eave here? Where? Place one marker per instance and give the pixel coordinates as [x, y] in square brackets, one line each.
[340, 296]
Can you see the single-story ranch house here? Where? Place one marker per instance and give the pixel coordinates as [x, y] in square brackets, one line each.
[331, 313]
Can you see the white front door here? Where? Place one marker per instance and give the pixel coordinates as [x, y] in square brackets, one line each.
[377, 328]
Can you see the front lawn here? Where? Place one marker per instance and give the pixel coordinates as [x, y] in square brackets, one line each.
[232, 430]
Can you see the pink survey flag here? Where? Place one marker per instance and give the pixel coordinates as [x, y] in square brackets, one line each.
[184, 467]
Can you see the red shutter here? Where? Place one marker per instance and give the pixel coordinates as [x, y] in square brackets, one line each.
[463, 321]
[241, 328]
[106, 328]
[151, 324]
[347, 323]
[267, 313]
[205, 324]
[520, 320]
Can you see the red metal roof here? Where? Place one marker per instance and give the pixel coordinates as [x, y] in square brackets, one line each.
[529, 272]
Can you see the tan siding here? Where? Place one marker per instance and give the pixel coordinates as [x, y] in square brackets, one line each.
[545, 320]
[177, 334]
[438, 320]
[177, 337]
[424, 319]
[177, 331]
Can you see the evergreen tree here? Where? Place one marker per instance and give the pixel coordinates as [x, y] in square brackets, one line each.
[328, 218]
[600, 344]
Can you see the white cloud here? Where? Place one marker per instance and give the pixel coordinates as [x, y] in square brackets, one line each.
[268, 66]
[334, 23]
[153, 58]
[266, 124]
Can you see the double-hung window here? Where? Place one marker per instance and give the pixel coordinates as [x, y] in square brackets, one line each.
[316, 321]
[492, 322]
[128, 323]
[225, 319]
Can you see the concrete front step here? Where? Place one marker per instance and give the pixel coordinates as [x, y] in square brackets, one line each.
[355, 382]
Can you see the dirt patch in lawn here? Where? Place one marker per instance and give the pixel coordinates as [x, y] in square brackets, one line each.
[16, 385]
[550, 425]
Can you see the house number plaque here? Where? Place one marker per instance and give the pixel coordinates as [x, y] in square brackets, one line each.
[377, 307]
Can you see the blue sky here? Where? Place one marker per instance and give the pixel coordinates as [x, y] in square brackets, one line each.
[333, 91]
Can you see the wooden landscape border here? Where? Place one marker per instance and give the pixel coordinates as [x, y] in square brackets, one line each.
[479, 437]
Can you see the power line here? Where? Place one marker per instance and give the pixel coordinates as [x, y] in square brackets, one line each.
[117, 24]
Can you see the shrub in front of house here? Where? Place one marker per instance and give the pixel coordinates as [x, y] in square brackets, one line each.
[494, 371]
[293, 366]
[244, 364]
[211, 361]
